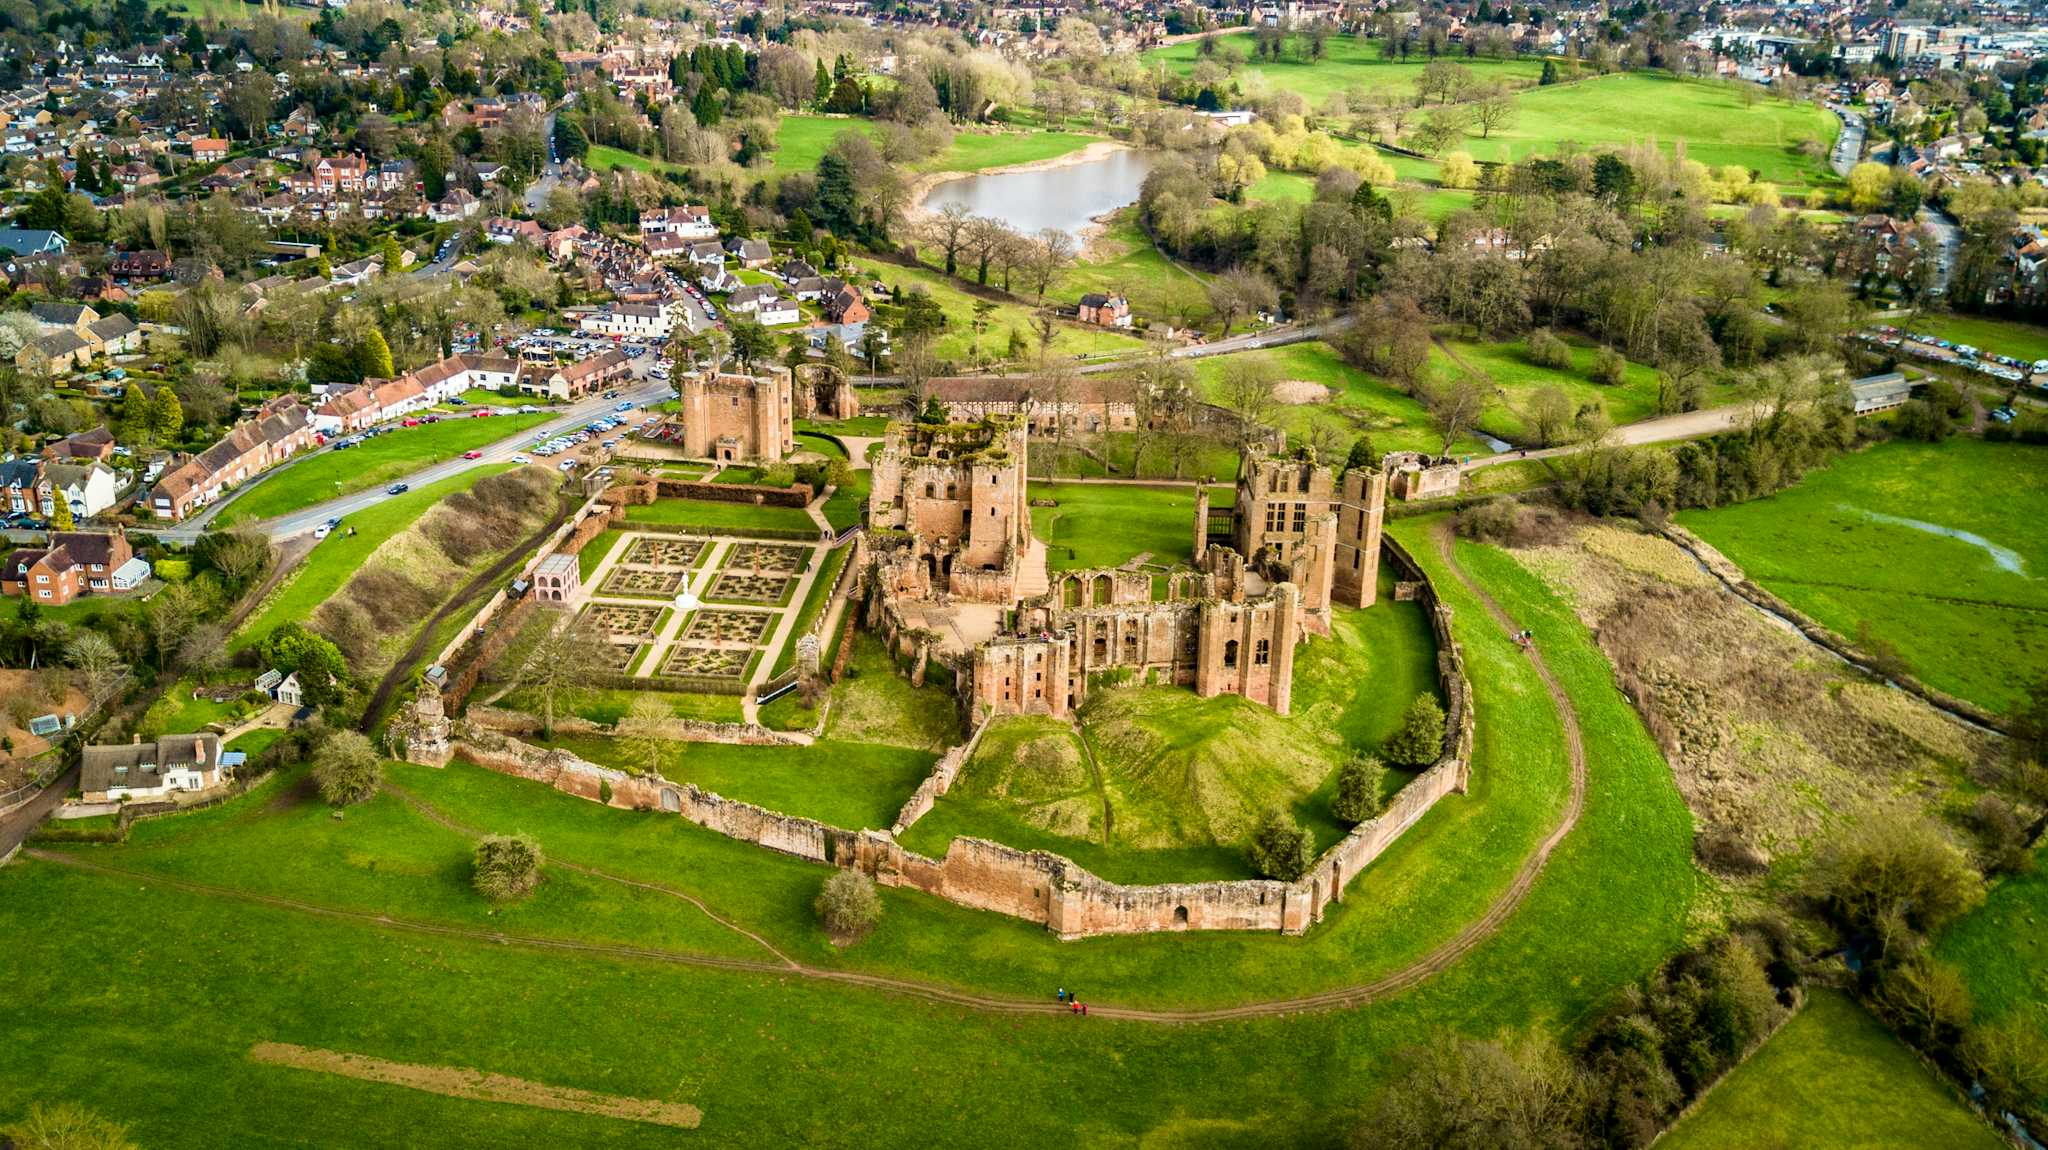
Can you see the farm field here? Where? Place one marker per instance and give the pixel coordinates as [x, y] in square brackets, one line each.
[1350, 64]
[1870, 541]
[716, 516]
[376, 462]
[1357, 402]
[1611, 903]
[1031, 784]
[1832, 1078]
[2002, 951]
[1103, 525]
[338, 556]
[1708, 116]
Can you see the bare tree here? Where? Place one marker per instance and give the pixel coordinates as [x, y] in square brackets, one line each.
[1454, 408]
[1248, 394]
[1239, 291]
[985, 237]
[97, 663]
[566, 659]
[641, 730]
[946, 230]
[1055, 388]
[1050, 254]
[1495, 108]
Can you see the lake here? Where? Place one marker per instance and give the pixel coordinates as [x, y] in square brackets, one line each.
[1068, 198]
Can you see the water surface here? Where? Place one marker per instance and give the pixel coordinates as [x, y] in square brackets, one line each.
[1067, 198]
[2005, 557]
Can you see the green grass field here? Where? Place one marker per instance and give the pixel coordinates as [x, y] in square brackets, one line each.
[1351, 64]
[227, 13]
[2002, 950]
[1961, 621]
[814, 602]
[802, 140]
[1357, 403]
[1103, 525]
[377, 462]
[1124, 260]
[1031, 786]
[1505, 370]
[1831, 1079]
[713, 516]
[337, 557]
[1707, 116]
[957, 343]
[851, 785]
[764, 1054]
[2003, 337]
[609, 704]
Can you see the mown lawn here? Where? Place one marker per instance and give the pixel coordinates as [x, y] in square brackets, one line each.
[978, 151]
[956, 345]
[1356, 403]
[714, 516]
[1512, 380]
[334, 559]
[814, 602]
[1961, 620]
[1832, 1079]
[850, 785]
[1104, 525]
[764, 1055]
[373, 463]
[1123, 259]
[1350, 63]
[1707, 116]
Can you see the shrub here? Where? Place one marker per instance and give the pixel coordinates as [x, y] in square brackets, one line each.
[1280, 848]
[1924, 421]
[1358, 789]
[346, 769]
[2010, 1058]
[507, 867]
[1609, 367]
[2002, 838]
[1926, 1001]
[1546, 350]
[848, 905]
[65, 1126]
[1893, 876]
[1421, 737]
[1724, 850]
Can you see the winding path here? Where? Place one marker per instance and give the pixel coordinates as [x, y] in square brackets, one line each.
[779, 963]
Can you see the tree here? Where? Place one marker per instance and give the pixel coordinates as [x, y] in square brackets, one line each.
[1454, 409]
[570, 142]
[848, 905]
[1280, 848]
[166, 415]
[1927, 1000]
[1610, 367]
[567, 659]
[1462, 1094]
[60, 514]
[1358, 789]
[506, 867]
[391, 256]
[946, 229]
[1239, 291]
[1420, 738]
[293, 650]
[642, 732]
[750, 342]
[1549, 76]
[1550, 415]
[1870, 186]
[1495, 109]
[1362, 454]
[65, 1126]
[1893, 876]
[346, 769]
[97, 663]
[1248, 394]
[821, 85]
[373, 356]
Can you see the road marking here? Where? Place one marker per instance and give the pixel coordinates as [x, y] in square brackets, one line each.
[477, 1085]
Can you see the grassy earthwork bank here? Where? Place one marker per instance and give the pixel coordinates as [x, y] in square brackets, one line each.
[1168, 783]
[1352, 402]
[341, 554]
[1011, 314]
[1937, 549]
[1511, 380]
[1831, 1079]
[764, 1055]
[376, 462]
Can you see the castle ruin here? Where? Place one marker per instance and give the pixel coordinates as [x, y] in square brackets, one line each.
[958, 491]
[729, 417]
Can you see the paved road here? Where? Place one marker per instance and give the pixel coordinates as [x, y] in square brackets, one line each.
[1849, 145]
[16, 825]
[1948, 240]
[550, 173]
[1664, 429]
[640, 391]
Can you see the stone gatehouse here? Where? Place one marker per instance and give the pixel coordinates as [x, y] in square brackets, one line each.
[729, 418]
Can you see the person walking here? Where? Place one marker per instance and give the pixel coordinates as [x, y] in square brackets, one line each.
[1063, 994]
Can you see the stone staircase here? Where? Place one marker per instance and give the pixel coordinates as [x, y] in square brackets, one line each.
[1031, 578]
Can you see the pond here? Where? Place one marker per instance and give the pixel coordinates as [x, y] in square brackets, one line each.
[1068, 198]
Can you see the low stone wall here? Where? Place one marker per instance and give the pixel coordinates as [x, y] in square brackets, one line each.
[506, 721]
[797, 495]
[936, 784]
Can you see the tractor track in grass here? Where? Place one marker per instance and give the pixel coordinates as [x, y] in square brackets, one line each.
[1445, 955]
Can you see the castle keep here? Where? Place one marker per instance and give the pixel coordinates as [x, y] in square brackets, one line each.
[730, 417]
[960, 564]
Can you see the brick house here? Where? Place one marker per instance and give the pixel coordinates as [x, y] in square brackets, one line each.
[74, 563]
[1105, 310]
[280, 430]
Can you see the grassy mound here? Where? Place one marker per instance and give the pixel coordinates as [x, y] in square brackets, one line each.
[1037, 766]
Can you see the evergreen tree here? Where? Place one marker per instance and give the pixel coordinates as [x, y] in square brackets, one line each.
[1549, 73]
[166, 416]
[1280, 848]
[1362, 454]
[821, 86]
[1358, 789]
[1421, 737]
[373, 356]
[705, 107]
[135, 413]
[393, 256]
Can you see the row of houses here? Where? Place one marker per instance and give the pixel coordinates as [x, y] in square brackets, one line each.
[72, 336]
[354, 407]
[281, 428]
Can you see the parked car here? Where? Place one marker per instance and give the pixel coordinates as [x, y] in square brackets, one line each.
[522, 459]
[321, 532]
[568, 465]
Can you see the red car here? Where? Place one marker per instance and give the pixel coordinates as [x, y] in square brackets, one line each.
[472, 455]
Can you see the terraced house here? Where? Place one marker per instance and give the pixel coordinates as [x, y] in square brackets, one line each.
[282, 429]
